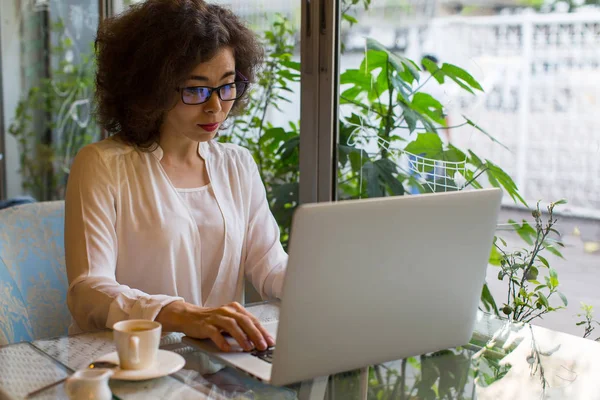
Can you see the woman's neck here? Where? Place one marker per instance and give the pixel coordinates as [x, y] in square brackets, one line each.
[178, 149]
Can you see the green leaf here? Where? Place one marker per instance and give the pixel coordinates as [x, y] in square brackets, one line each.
[553, 278]
[373, 44]
[532, 274]
[403, 88]
[399, 63]
[373, 60]
[396, 187]
[410, 116]
[371, 175]
[553, 250]
[559, 202]
[433, 69]
[563, 298]
[428, 105]
[410, 65]
[543, 261]
[543, 299]
[358, 158]
[499, 178]
[350, 95]
[525, 231]
[538, 288]
[427, 144]
[357, 78]
[386, 170]
[344, 152]
[275, 134]
[381, 86]
[289, 147]
[488, 300]
[461, 77]
[350, 19]
[495, 257]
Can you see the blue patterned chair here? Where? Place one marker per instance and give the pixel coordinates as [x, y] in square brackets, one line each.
[33, 277]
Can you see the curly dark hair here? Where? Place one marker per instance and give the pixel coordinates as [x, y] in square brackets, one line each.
[146, 52]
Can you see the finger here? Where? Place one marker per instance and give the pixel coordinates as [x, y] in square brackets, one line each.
[231, 326]
[251, 330]
[265, 334]
[270, 340]
[215, 335]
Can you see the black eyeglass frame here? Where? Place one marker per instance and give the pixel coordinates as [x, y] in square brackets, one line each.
[245, 81]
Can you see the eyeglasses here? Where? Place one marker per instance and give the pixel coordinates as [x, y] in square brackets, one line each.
[194, 95]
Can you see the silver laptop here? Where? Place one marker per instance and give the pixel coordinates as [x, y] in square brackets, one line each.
[375, 280]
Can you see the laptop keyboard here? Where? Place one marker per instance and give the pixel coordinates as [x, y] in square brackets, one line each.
[265, 355]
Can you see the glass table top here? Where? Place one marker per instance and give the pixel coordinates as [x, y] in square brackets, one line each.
[503, 360]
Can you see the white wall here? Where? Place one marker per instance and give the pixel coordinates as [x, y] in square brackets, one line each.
[11, 83]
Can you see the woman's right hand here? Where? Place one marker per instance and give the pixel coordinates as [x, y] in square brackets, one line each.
[213, 323]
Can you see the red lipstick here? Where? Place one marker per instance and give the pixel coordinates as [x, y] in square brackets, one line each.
[209, 127]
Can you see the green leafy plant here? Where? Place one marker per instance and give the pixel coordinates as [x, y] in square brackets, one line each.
[527, 298]
[348, 5]
[53, 121]
[383, 96]
[275, 148]
[588, 322]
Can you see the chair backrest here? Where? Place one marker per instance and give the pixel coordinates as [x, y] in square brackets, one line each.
[33, 277]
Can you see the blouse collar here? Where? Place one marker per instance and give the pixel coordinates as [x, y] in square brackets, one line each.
[202, 151]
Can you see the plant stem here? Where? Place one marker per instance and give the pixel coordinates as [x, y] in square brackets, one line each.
[476, 176]
[425, 129]
[423, 84]
[390, 110]
[356, 103]
[403, 381]
[538, 315]
[538, 246]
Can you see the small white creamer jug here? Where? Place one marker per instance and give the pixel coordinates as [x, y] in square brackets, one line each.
[89, 384]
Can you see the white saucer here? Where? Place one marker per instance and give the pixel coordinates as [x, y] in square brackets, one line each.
[167, 363]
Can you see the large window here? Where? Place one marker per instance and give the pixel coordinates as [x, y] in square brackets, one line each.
[441, 96]
[438, 97]
[47, 82]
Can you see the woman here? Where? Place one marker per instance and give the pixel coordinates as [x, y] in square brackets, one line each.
[163, 222]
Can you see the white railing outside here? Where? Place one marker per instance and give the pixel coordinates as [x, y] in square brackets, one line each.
[541, 75]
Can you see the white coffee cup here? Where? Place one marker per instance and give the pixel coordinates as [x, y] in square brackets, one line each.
[137, 342]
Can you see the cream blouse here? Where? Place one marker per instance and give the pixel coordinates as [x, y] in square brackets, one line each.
[132, 244]
[211, 227]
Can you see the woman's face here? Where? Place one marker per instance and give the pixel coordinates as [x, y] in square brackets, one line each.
[200, 122]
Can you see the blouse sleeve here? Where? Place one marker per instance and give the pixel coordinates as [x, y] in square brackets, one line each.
[96, 300]
[266, 260]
